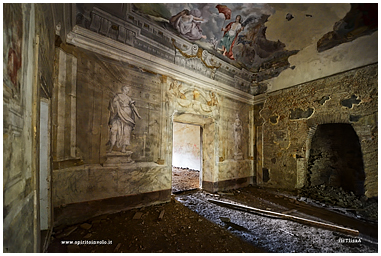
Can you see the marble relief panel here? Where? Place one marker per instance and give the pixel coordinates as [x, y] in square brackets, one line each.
[70, 185]
[231, 169]
[143, 180]
[94, 182]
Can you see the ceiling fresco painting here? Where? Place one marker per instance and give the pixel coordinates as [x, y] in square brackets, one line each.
[235, 33]
[267, 44]
[361, 20]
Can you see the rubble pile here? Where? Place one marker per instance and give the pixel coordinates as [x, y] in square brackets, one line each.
[184, 179]
[343, 200]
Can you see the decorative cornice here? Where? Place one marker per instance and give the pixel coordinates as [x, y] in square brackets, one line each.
[94, 42]
[259, 99]
[198, 55]
[159, 41]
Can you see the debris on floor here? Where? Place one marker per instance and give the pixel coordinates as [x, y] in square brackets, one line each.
[273, 234]
[184, 179]
[179, 231]
[341, 200]
[137, 216]
[191, 223]
[161, 215]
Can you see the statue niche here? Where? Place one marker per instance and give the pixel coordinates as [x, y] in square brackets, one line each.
[121, 123]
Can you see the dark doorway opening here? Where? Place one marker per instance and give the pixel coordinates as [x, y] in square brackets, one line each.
[336, 159]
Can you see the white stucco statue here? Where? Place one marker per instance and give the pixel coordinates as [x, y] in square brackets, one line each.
[122, 119]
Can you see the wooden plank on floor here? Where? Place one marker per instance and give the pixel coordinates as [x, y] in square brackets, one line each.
[287, 217]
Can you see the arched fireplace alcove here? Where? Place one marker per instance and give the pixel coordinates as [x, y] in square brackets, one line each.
[336, 158]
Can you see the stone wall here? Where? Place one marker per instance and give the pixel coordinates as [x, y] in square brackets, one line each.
[291, 117]
[29, 45]
[28, 68]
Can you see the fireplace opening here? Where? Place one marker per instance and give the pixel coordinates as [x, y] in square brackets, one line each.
[336, 159]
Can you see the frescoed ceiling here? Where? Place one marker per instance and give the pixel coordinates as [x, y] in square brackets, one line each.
[204, 24]
[258, 37]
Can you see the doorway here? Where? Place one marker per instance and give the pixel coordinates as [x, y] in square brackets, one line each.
[186, 157]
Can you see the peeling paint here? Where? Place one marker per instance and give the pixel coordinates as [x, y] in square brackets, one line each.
[348, 103]
[274, 119]
[299, 114]
[323, 100]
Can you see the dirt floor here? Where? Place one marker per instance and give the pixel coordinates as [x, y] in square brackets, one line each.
[180, 230]
[184, 179]
[192, 223]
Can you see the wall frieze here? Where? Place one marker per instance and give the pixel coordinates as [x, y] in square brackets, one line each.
[94, 42]
[143, 34]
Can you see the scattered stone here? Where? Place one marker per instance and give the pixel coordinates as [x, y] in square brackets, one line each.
[225, 194]
[87, 236]
[161, 215]
[86, 226]
[117, 247]
[225, 219]
[137, 216]
[67, 231]
[336, 196]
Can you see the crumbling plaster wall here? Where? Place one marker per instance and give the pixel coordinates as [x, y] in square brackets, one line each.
[28, 67]
[18, 184]
[308, 63]
[291, 116]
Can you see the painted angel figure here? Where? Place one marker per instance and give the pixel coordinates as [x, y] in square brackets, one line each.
[187, 23]
[122, 119]
[231, 32]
